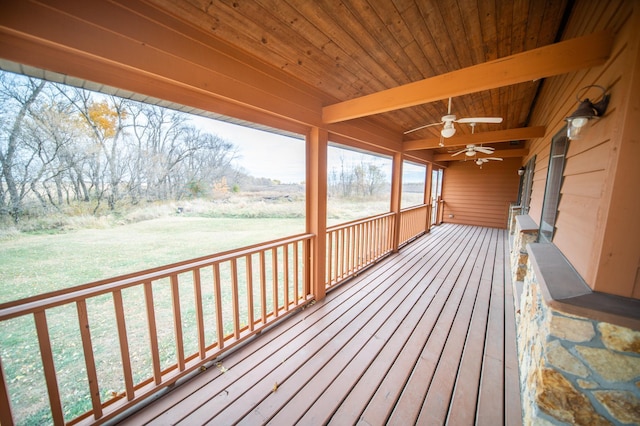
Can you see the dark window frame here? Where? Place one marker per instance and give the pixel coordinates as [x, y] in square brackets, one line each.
[553, 187]
[526, 186]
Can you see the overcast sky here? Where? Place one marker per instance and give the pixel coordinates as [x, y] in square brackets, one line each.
[265, 154]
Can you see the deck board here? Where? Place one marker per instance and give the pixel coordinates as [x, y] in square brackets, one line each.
[422, 337]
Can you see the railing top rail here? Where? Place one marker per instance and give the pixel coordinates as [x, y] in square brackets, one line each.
[419, 206]
[43, 301]
[358, 221]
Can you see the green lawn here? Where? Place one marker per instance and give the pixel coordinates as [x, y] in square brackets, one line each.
[34, 264]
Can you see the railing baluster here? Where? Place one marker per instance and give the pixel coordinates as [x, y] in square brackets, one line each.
[153, 332]
[296, 278]
[6, 417]
[197, 295]
[336, 255]
[368, 228]
[274, 280]
[177, 321]
[218, 297]
[234, 299]
[87, 347]
[124, 344]
[49, 367]
[361, 259]
[263, 286]
[355, 241]
[371, 229]
[340, 255]
[285, 275]
[249, 268]
[331, 258]
[307, 255]
[346, 248]
[349, 251]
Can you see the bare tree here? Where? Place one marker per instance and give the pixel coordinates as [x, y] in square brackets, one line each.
[61, 145]
[17, 96]
[105, 119]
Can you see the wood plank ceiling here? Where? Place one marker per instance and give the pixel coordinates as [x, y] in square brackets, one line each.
[352, 48]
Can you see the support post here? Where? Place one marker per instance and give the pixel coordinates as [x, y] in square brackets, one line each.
[396, 195]
[427, 194]
[316, 205]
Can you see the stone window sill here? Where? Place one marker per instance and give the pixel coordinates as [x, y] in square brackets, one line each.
[564, 290]
[526, 224]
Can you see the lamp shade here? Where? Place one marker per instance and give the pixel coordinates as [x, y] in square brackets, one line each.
[448, 130]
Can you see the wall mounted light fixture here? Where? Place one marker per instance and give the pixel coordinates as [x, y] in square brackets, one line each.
[585, 112]
[521, 171]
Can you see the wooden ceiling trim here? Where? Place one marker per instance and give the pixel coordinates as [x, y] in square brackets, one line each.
[558, 58]
[522, 133]
[504, 153]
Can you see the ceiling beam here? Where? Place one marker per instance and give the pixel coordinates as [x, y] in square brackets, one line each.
[517, 134]
[546, 61]
[504, 153]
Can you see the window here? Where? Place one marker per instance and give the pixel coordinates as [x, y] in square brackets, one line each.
[559, 145]
[413, 183]
[524, 196]
[358, 183]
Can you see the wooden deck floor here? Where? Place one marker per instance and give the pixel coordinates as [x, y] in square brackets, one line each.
[425, 337]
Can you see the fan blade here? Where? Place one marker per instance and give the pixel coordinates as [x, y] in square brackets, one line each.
[422, 127]
[493, 158]
[484, 149]
[459, 152]
[480, 120]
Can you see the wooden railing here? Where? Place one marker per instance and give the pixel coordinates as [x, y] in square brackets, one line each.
[355, 245]
[413, 222]
[164, 324]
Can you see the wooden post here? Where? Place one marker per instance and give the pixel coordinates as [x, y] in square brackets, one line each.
[427, 194]
[6, 418]
[316, 200]
[396, 197]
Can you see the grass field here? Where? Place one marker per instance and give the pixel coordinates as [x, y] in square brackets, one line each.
[35, 264]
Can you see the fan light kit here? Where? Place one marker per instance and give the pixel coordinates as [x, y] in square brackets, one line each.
[471, 150]
[481, 161]
[447, 121]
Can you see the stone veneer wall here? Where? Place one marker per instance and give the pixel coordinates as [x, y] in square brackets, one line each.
[514, 210]
[524, 231]
[574, 370]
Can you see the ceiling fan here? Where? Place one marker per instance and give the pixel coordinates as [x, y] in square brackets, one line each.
[449, 129]
[471, 150]
[481, 161]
